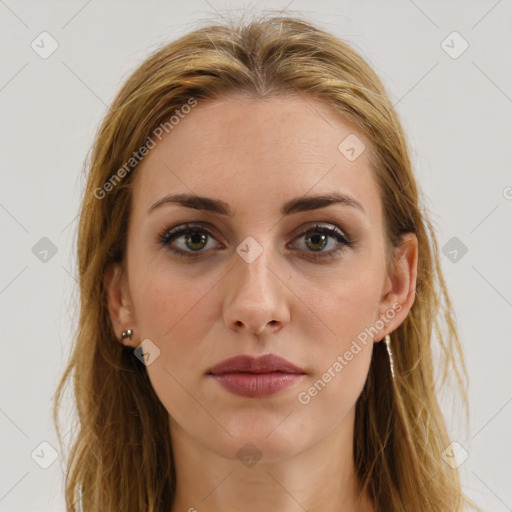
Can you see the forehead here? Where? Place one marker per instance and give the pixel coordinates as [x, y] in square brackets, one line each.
[256, 152]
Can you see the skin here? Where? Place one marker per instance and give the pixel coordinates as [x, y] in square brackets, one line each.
[255, 155]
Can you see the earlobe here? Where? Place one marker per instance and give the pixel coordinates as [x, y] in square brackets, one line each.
[401, 285]
[119, 305]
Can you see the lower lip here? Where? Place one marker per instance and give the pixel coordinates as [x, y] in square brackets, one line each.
[257, 385]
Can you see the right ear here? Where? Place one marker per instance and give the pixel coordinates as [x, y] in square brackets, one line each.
[119, 303]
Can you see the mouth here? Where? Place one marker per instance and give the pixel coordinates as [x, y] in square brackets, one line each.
[256, 377]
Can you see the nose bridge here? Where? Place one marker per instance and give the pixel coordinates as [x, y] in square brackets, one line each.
[252, 269]
[255, 296]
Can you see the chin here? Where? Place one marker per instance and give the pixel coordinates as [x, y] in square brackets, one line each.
[261, 440]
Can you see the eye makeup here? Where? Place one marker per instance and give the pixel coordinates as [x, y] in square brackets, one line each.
[198, 233]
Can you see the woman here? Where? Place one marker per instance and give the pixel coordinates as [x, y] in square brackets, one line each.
[259, 288]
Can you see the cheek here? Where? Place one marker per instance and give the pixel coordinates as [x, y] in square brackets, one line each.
[348, 307]
[176, 312]
[355, 307]
[330, 394]
[167, 299]
[347, 303]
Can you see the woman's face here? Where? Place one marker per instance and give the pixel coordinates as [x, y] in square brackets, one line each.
[260, 273]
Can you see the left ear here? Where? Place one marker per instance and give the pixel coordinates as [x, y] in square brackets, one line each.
[400, 287]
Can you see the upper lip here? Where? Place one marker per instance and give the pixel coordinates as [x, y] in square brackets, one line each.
[248, 364]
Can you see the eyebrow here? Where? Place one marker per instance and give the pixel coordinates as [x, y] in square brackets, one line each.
[296, 205]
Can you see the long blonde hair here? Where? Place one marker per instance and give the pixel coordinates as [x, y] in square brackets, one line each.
[121, 456]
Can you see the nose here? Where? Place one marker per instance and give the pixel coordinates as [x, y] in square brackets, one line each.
[257, 298]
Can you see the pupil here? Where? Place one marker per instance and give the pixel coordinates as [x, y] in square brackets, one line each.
[196, 238]
[314, 239]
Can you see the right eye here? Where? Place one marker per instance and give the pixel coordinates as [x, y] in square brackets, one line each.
[193, 240]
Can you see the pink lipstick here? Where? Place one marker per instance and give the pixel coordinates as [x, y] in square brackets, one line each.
[256, 377]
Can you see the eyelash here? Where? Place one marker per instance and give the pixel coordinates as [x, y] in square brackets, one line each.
[169, 235]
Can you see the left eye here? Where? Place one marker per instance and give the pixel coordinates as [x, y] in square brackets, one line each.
[195, 238]
[317, 238]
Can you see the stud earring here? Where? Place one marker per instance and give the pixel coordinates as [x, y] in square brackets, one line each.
[127, 334]
[387, 340]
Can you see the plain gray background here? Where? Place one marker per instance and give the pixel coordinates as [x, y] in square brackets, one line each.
[456, 110]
